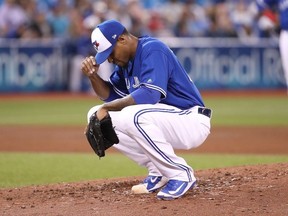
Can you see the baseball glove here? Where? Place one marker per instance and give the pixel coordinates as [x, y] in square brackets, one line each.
[101, 134]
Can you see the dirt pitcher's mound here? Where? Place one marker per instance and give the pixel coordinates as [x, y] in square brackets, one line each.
[248, 190]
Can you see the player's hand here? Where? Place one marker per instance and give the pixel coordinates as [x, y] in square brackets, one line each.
[101, 113]
[89, 66]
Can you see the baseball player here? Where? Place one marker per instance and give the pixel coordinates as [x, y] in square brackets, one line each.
[282, 6]
[154, 106]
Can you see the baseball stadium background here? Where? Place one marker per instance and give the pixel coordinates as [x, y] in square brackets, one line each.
[213, 64]
[46, 164]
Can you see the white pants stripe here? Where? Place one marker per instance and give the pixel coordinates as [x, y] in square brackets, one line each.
[187, 169]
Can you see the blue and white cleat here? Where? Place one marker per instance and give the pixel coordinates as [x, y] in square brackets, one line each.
[149, 185]
[175, 189]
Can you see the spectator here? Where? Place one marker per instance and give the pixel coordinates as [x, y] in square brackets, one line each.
[221, 24]
[267, 24]
[45, 28]
[193, 21]
[171, 12]
[30, 31]
[157, 26]
[77, 81]
[12, 19]
[84, 7]
[37, 25]
[242, 19]
[59, 19]
[183, 18]
[138, 16]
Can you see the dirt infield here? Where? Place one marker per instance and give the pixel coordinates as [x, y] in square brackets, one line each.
[259, 140]
[251, 190]
[248, 190]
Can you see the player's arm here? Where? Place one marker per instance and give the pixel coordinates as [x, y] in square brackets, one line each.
[100, 87]
[142, 95]
[90, 69]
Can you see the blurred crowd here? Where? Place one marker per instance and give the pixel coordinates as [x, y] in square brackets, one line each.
[72, 19]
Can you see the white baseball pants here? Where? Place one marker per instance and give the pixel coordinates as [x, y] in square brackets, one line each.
[148, 135]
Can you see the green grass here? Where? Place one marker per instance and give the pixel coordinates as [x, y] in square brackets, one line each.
[46, 111]
[249, 111]
[22, 169]
[259, 111]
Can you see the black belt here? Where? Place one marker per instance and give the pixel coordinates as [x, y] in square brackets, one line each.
[205, 111]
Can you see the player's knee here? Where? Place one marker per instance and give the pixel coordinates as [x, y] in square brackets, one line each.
[133, 116]
[128, 113]
[127, 116]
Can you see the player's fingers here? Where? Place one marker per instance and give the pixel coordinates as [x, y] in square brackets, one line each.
[89, 66]
[85, 67]
[84, 64]
[93, 61]
[86, 129]
[93, 66]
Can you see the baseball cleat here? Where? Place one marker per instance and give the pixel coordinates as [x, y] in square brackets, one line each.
[149, 185]
[175, 189]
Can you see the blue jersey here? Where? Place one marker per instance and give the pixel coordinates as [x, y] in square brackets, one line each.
[156, 67]
[282, 6]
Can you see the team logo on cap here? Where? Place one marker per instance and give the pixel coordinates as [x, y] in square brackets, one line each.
[96, 45]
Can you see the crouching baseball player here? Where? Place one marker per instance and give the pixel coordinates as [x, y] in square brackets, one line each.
[151, 107]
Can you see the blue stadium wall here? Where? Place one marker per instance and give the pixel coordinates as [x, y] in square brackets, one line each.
[37, 66]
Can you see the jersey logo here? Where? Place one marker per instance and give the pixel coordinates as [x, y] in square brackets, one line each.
[135, 82]
[127, 83]
[149, 81]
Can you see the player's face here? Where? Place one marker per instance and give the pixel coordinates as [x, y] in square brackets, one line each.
[120, 55]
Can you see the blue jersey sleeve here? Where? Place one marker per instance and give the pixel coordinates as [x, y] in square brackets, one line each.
[155, 72]
[158, 69]
[155, 75]
[144, 95]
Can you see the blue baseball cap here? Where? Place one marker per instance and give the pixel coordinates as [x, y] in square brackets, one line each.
[104, 38]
